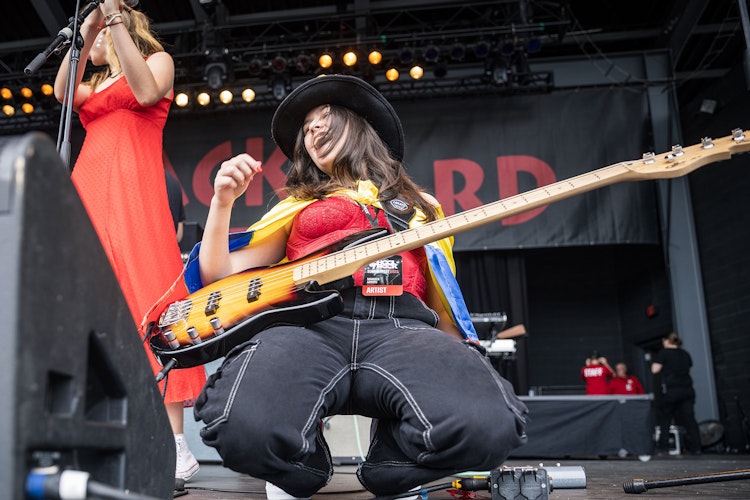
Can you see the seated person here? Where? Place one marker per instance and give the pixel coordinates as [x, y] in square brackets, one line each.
[622, 383]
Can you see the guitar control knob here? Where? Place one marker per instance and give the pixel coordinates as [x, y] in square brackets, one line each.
[171, 339]
[216, 325]
[195, 337]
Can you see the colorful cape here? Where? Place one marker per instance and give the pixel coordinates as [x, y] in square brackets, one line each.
[442, 267]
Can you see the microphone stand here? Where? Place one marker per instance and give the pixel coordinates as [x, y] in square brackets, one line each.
[69, 35]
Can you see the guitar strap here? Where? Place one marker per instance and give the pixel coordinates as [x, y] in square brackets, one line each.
[398, 213]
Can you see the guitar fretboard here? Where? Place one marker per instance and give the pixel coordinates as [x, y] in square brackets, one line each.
[345, 262]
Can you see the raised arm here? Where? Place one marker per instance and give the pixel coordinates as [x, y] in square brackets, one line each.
[89, 31]
[216, 261]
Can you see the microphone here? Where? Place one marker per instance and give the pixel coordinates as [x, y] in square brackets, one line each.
[131, 3]
[63, 36]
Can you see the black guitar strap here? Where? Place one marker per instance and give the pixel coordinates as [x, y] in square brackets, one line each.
[398, 213]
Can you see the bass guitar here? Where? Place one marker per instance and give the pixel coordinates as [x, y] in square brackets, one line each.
[208, 323]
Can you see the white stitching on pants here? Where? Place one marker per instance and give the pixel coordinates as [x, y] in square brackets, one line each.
[312, 419]
[409, 398]
[235, 386]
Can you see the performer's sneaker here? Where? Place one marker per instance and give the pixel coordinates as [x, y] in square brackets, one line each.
[273, 492]
[187, 466]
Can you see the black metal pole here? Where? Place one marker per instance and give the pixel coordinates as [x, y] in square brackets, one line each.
[642, 485]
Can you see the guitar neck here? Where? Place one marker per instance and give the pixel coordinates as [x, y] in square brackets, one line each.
[346, 262]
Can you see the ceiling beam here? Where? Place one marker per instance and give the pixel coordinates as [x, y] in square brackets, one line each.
[51, 14]
[683, 22]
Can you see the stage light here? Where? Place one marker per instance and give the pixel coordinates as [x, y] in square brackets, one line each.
[47, 89]
[325, 60]
[375, 56]
[255, 66]
[6, 93]
[248, 95]
[27, 108]
[226, 96]
[350, 58]
[214, 74]
[416, 72]
[431, 53]
[406, 56]
[458, 51]
[182, 99]
[508, 48]
[482, 49]
[26, 92]
[303, 63]
[204, 98]
[278, 64]
[533, 45]
[391, 74]
[9, 110]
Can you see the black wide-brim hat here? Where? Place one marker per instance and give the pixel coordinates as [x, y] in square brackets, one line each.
[342, 90]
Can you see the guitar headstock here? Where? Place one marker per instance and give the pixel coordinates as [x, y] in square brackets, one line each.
[683, 160]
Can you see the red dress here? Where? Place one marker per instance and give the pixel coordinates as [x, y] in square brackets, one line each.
[119, 175]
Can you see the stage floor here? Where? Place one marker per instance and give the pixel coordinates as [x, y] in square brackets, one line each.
[604, 480]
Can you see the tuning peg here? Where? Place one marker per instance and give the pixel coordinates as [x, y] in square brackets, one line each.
[648, 158]
[676, 151]
[738, 135]
[707, 143]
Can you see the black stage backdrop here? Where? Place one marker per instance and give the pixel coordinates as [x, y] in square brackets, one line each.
[468, 152]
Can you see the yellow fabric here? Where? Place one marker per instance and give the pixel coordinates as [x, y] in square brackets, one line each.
[281, 216]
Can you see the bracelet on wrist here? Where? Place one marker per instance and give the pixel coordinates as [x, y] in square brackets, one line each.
[109, 20]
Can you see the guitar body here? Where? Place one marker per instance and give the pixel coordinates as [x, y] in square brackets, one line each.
[210, 322]
[308, 306]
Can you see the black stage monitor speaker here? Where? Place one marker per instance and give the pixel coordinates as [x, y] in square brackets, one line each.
[76, 391]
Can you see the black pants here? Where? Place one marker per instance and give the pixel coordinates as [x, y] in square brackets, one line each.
[439, 405]
[677, 405]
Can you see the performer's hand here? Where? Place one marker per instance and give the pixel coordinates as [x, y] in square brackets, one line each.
[234, 176]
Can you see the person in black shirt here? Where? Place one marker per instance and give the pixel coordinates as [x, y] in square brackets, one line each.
[174, 195]
[677, 394]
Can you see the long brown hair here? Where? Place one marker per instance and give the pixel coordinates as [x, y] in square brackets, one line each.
[364, 156]
[139, 27]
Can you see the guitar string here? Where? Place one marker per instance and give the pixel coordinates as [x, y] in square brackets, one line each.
[237, 292]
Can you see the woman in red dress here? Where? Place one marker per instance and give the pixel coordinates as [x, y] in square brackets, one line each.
[119, 174]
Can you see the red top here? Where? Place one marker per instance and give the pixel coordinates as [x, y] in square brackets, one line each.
[327, 221]
[625, 385]
[596, 379]
[119, 175]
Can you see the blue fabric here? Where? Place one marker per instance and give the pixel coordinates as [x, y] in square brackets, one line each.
[447, 281]
[192, 269]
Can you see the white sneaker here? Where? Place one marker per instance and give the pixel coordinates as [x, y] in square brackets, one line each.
[273, 492]
[187, 466]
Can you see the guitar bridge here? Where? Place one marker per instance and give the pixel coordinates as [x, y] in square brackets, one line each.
[212, 304]
[253, 289]
[177, 311]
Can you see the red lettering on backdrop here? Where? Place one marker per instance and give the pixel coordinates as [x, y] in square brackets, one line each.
[272, 172]
[203, 187]
[508, 168]
[473, 175]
